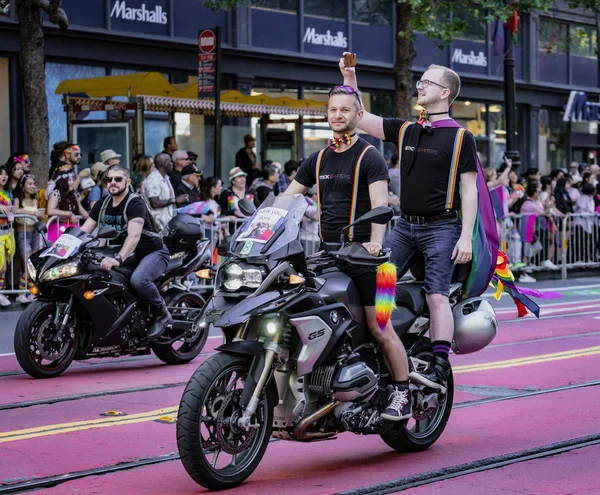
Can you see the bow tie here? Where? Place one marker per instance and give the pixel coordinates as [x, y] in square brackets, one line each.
[335, 143]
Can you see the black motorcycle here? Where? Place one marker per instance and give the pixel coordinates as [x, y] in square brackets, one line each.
[82, 311]
[298, 361]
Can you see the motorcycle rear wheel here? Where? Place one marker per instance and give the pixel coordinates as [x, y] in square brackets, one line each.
[181, 352]
[35, 350]
[216, 455]
[416, 436]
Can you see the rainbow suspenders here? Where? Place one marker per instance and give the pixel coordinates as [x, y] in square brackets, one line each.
[355, 182]
[458, 141]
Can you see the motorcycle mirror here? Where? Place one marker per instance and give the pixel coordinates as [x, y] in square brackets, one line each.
[40, 228]
[107, 233]
[380, 215]
[246, 207]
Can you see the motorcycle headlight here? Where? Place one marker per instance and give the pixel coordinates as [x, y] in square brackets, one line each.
[31, 269]
[235, 276]
[60, 271]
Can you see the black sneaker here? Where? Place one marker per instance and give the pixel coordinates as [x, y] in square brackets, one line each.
[435, 376]
[399, 404]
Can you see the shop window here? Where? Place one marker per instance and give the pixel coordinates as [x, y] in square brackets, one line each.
[4, 110]
[55, 74]
[553, 51]
[278, 5]
[474, 24]
[5, 8]
[553, 140]
[372, 12]
[552, 37]
[470, 115]
[334, 9]
[584, 61]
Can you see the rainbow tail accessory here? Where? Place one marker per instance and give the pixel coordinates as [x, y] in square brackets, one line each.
[503, 280]
[385, 296]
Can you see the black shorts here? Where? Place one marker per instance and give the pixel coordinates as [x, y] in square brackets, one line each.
[365, 278]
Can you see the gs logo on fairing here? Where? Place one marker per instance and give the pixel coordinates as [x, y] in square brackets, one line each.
[334, 317]
[317, 334]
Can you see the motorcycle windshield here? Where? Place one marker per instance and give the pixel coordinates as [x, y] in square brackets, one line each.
[274, 224]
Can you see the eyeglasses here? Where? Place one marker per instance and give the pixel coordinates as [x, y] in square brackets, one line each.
[349, 90]
[184, 159]
[424, 83]
[118, 180]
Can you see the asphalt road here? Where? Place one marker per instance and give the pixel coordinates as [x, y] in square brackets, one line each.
[520, 422]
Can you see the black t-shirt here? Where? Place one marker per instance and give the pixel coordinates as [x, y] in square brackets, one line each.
[175, 177]
[113, 217]
[423, 189]
[336, 182]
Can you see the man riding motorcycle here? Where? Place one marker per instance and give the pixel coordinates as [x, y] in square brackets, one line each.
[351, 175]
[127, 213]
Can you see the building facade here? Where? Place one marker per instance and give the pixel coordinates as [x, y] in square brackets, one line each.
[291, 47]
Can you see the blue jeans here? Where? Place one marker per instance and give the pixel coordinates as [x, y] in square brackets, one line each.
[148, 270]
[435, 240]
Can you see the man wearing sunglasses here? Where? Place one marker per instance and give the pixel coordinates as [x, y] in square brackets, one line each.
[127, 213]
[352, 178]
[435, 183]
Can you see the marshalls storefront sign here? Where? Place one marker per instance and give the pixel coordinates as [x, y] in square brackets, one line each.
[149, 16]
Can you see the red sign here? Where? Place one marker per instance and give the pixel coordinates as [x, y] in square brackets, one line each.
[207, 41]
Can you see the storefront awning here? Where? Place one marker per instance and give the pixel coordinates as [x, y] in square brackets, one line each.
[159, 94]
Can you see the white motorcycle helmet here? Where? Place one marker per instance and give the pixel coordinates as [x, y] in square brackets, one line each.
[475, 325]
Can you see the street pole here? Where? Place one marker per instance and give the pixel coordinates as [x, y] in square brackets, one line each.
[509, 96]
[218, 106]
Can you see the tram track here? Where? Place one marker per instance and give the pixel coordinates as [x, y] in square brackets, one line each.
[393, 486]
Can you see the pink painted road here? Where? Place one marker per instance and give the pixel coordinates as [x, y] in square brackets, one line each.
[54, 427]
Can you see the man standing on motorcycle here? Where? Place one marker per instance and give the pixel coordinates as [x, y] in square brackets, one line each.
[138, 237]
[433, 188]
[352, 175]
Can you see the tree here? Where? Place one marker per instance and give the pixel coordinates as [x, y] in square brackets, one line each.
[593, 6]
[34, 75]
[441, 20]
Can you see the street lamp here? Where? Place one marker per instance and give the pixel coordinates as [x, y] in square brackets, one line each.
[509, 90]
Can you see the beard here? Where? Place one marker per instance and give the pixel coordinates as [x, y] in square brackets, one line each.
[348, 128]
[116, 191]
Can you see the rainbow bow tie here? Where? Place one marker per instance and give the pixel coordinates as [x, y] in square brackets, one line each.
[335, 143]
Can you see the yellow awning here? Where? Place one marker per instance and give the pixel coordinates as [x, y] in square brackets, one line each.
[155, 84]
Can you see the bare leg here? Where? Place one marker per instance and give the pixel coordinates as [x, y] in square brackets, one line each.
[393, 350]
[442, 321]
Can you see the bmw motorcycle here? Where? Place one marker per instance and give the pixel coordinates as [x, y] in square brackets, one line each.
[82, 311]
[298, 362]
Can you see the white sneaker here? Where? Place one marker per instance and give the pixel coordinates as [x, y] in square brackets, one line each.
[31, 297]
[23, 299]
[550, 265]
[525, 278]
[4, 301]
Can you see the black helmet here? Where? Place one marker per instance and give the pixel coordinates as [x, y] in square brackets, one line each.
[183, 231]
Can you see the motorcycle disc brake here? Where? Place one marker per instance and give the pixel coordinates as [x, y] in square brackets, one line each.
[232, 438]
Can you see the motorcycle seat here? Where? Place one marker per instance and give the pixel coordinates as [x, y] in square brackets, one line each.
[174, 263]
[411, 296]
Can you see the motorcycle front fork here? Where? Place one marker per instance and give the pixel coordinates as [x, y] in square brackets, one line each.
[61, 323]
[272, 350]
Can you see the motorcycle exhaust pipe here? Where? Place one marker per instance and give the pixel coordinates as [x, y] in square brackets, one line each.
[302, 426]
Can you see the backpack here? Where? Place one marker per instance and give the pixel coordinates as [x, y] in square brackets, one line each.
[156, 226]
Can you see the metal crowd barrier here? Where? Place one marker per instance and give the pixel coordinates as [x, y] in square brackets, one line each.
[533, 243]
[551, 242]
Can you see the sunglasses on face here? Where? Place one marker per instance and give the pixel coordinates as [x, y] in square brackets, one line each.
[425, 83]
[118, 180]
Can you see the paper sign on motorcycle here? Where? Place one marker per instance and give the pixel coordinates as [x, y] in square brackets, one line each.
[263, 225]
[64, 247]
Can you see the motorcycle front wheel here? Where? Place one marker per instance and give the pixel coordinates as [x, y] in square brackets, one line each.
[37, 348]
[214, 450]
[421, 432]
[184, 350]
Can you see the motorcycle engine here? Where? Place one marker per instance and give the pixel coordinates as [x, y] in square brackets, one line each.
[138, 323]
[352, 381]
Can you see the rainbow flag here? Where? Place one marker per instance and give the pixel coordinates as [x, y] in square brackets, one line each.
[485, 232]
[504, 281]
